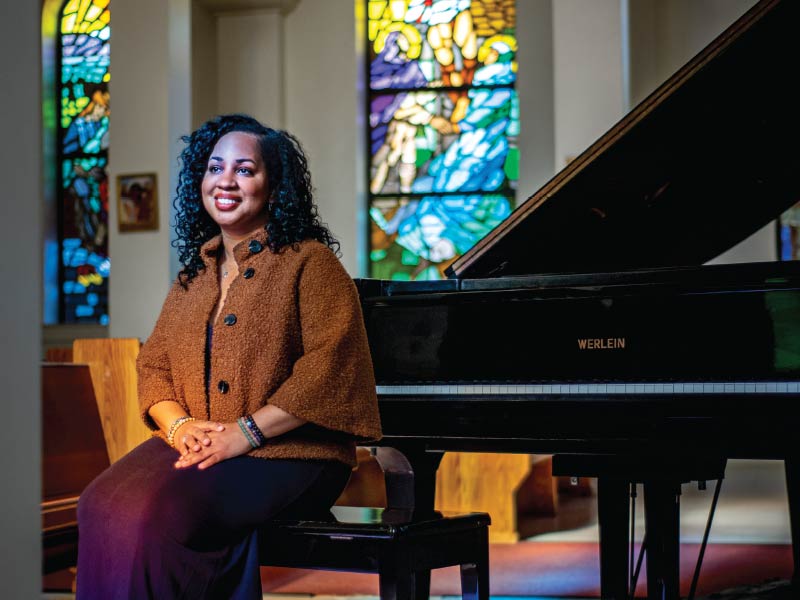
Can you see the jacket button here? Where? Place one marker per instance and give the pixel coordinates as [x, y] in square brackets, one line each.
[255, 246]
[223, 386]
[248, 273]
[229, 319]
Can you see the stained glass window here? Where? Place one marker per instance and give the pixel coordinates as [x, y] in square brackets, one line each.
[83, 112]
[443, 128]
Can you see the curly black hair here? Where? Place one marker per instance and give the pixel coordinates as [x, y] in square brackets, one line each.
[293, 216]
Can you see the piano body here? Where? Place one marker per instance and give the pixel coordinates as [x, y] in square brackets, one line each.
[585, 326]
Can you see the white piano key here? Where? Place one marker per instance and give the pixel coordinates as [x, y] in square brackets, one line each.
[594, 388]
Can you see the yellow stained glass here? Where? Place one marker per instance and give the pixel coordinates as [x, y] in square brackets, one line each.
[101, 3]
[409, 32]
[398, 9]
[68, 23]
[85, 4]
[96, 26]
[376, 8]
[93, 13]
[71, 7]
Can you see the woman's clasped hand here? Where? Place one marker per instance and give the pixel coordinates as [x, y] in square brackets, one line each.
[210, 443]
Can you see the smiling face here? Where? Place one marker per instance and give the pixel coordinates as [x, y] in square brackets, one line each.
[235, 187]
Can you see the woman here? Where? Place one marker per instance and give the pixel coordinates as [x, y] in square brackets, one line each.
[257, 380]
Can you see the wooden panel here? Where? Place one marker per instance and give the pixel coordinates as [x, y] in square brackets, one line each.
[483, 482]
[366, 486]
[73, 450]
[538, 494]
[113, 367]
[58, 354]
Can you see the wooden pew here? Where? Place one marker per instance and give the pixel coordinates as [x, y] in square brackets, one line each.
[112, 362]
[73, 454]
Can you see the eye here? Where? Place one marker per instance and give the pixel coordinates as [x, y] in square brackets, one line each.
[245, 170]
[214, 169]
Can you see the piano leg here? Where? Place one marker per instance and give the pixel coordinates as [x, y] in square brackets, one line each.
[613, 512]
[662, 519]
[791, 464]
[424, 464]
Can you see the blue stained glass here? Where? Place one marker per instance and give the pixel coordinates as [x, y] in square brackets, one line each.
[786, 243]
[417, 239]
[76, 257]
[84, 310]
[103, 268]
[95, 260]
[84, 111]
[103, 319]
[83, 45]
[429, 142]
[91, 69]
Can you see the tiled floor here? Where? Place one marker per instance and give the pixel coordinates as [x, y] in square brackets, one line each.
[752, 509]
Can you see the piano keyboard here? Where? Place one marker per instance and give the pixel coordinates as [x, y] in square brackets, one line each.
[511, 389]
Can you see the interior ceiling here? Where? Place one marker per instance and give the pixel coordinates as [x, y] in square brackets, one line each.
[222, 6]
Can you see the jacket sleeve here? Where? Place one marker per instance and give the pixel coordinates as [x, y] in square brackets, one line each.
[153, 370]
[332, 383]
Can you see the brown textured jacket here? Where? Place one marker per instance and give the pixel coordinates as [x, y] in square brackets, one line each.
[290, 334]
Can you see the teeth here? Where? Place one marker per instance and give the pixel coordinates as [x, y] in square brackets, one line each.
[226, 201]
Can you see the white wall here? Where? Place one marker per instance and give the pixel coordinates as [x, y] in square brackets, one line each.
[588, 85]
[139, 143]
[249, 64]
[203, 47]
[535, 89]
[20, 270]
[322, 105]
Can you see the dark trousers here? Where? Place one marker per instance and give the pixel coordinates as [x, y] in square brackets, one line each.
[148, 530]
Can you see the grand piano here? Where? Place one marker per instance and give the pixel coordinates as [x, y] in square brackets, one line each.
[586, 325]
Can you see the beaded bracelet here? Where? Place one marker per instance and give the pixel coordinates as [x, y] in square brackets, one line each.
[257, 433]
[174, 427]
[246, 432]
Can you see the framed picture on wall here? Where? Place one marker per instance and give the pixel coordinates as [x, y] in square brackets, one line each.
[137, 202]
[788, 235]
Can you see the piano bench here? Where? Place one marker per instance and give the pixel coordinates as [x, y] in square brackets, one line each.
[388, 542]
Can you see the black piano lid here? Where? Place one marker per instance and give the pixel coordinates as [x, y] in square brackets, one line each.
[706, 160]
